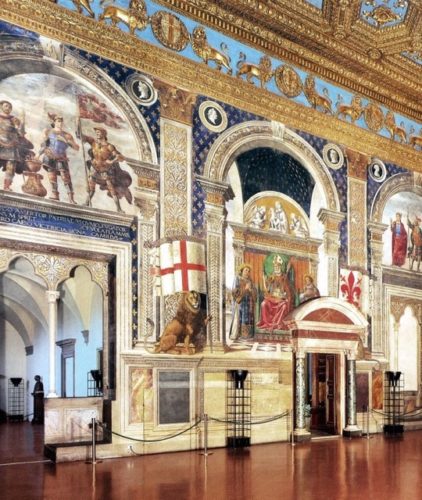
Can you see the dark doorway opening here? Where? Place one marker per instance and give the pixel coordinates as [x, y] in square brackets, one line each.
[323, 393]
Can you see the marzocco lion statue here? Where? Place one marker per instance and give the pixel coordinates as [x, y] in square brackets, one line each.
[188, 326]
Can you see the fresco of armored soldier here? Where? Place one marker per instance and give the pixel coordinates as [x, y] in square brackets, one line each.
[14, 147]
[104, 169]
[54, 158]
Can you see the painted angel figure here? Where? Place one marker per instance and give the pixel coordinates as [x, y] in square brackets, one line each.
[278, 220]
[298, 226]
[259, 216]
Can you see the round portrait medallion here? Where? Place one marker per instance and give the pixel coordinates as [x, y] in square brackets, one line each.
[213, 116]
[333, 156]
[141, 89]
[374, 117]
[377, 170]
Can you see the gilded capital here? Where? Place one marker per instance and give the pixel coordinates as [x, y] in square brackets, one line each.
[176, 104]
[357, 163]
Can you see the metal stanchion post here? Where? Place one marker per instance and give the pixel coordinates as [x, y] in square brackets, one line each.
[94, 429]
[94, 451]
[367, 422]
[292, 438]
[205, 452]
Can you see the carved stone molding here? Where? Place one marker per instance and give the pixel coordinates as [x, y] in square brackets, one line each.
[246, 136]
[396, 184]
[331, 220]
[357, 164]
[217, 192]
[176, 104]
[148, 174]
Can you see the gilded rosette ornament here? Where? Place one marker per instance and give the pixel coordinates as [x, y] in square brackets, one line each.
[288, 81]
[382, 15]
[169, 30]
[374, 117]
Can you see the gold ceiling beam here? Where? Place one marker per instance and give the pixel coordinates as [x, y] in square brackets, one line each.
[303, 35]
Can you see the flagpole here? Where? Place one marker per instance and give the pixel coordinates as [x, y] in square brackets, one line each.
[84, 157]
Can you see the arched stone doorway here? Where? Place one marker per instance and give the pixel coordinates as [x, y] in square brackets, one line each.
[331, 330]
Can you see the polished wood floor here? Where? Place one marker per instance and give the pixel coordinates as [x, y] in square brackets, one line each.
[332, 469]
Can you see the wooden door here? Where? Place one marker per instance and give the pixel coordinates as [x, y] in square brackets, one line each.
[330, 403]
[324, 392]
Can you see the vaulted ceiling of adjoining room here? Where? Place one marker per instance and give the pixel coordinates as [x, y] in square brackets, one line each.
[373, 47]
[266, 169]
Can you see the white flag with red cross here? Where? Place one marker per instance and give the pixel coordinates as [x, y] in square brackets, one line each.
[182, 266]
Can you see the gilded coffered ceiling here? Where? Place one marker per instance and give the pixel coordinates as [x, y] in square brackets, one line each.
[373, 47]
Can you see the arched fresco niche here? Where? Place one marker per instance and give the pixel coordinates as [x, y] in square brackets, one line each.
[398, 205]
[64, 160]
[404, 345]
[402, 242]
[280, 184]
[23, 328]
[79, 332]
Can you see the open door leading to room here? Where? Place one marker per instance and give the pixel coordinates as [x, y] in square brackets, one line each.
[323, 392]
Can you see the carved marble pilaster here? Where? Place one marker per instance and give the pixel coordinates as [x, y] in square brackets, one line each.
[176, 178]
[357, 164]
[379, 334]
[147, 201]
[351, 428]
[331, 242]
[215, 213]
[300, 432]
[52, 298]
[239, 245]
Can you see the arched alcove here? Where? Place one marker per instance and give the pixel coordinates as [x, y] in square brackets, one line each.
[253, 157]
[79, 331]
[23, 326]
[88, 100]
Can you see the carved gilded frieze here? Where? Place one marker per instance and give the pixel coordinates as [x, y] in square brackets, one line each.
[111, 43]
[270, 27]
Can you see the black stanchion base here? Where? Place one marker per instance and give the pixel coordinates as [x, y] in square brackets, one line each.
[393, 429]
[238, 442]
